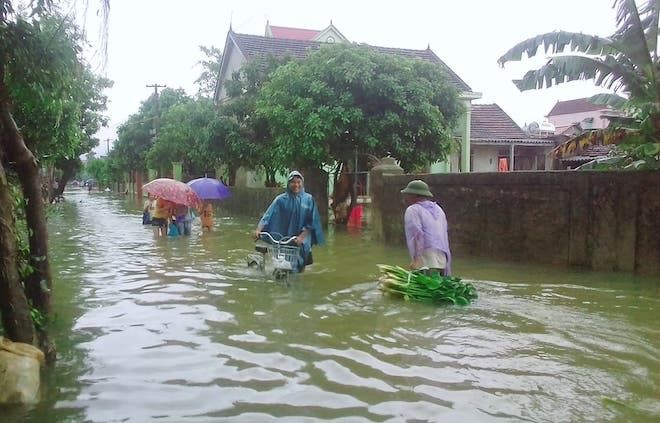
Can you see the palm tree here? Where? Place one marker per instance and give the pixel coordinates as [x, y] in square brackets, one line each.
[625, 62]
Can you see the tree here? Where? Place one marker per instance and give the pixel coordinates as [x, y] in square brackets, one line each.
[135, 136]
[89, 101]
[99, 170]
[188, 134]
[208, 79]
[345, 101]
[248, 139]
[39, 59]
[348, 98]
[626, 62]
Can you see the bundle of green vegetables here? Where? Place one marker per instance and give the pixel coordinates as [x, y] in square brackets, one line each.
[416, 286]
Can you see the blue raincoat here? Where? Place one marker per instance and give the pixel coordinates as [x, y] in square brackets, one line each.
[290, 214]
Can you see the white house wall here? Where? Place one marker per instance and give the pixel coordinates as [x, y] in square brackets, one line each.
[484, 158]
[234, 63]
[562, 122]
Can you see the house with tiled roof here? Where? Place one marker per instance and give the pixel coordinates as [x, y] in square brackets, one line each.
[328, 35]
[242, 47]
[280, 41]
[499, 144]
[565, 115]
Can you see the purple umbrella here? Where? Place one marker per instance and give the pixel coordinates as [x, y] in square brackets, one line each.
[209, 188]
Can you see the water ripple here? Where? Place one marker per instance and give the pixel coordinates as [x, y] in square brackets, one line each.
[181, 330]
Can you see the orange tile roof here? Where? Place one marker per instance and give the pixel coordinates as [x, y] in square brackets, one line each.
[293, 33]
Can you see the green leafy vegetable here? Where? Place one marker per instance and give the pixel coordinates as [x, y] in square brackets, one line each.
[417, 286]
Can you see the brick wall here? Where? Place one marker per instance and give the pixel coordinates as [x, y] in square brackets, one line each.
[599, 220]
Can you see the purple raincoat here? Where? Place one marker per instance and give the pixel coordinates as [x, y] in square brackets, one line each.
[426, 228]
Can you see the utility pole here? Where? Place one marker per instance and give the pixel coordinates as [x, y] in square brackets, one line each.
[156, 121]
[107, 146]
[155, 87]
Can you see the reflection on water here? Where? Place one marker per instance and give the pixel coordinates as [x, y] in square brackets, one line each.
[181, 330]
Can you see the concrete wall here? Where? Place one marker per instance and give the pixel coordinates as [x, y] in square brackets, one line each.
[599, 220]
[249, 201]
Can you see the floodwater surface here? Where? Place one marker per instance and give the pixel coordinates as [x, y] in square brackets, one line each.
[180, 330]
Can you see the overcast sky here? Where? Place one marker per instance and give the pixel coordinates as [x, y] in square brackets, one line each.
[156, 41]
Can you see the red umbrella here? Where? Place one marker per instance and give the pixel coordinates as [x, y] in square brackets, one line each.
[174, 191]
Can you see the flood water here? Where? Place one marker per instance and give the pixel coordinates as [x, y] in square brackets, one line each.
[175, 330]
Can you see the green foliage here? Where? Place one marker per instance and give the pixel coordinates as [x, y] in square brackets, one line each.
[41, 76]
[627, 61]
[99, 169]
[40, 320]
[248, 139]
[135, 136]
[189, 133]
[58, 101]
[281, 112]
[415, 286]
[17, 205]
[208, 79]
[173, 127]
[344, 97]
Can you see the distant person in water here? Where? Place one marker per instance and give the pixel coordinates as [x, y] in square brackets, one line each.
[183, 218]
[426, 230]
[206, 216]
[294, 213]
[146, 211]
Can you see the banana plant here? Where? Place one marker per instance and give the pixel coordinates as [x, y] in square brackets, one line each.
[626, 62]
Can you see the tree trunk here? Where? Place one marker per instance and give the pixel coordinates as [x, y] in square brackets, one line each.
[38, 285]
[231, 177]
[316, 183]
[68, 170]
[655, 122]
[14, 307]
[270, 178]
[343, 196]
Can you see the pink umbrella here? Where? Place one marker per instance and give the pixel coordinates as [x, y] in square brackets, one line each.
[174, 191]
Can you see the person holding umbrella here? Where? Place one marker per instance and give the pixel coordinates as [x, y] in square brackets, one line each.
[208, 189]
[206, 216]
[182, 218]
[162, 212]
[169, 192]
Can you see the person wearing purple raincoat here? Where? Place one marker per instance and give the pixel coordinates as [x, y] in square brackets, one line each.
[426, 230]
